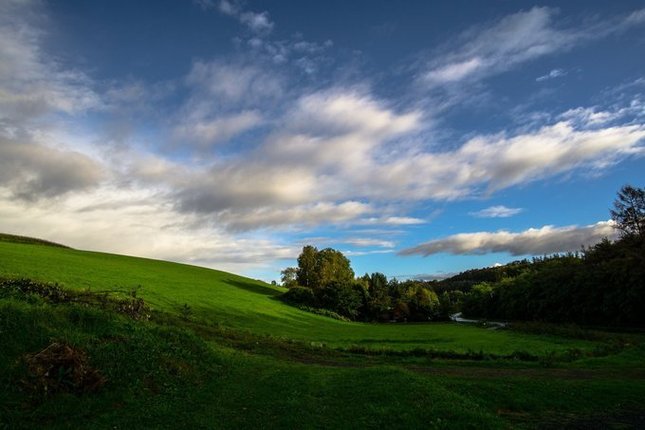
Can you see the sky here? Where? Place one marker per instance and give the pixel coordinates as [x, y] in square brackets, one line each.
[419, 138]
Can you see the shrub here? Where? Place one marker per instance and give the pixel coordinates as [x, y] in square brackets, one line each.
[300, 296]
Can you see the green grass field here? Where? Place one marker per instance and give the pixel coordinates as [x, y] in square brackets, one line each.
[246, 360]
[240, 303]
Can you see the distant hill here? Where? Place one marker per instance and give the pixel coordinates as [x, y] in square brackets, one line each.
[4, 237]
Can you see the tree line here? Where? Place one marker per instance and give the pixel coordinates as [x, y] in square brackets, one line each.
[324, 279]
[603, 284]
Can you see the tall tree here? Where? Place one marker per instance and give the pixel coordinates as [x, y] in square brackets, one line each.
[288, 277]
[629, 212]
[333, 267]
[307, 271]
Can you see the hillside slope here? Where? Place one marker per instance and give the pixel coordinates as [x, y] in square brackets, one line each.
[242, 303]
[246, 360]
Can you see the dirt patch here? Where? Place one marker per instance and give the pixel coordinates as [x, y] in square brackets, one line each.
[61, 368]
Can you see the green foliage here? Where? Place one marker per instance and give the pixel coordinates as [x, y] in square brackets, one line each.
[378, 301]
[300, 296]
[288, 277]
[323, 312]
[317, 269]
[307, 272]
[606, 285]
[343, 298]
[629, 212]
[450, 302]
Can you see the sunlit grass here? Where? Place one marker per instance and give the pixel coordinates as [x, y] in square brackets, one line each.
[246, 304]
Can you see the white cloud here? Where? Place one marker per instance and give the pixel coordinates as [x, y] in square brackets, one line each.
[258, 22]
[454, 71]
[35, 162]
[534, 241]
[352, 253]
[555, 73]
[338, 155]
[294, 216]
[32, 85]
[339, 145]
[496, 212]
[368, 242]
[321, 145]
[635, 18]
[207, 132]
[32, 171]
[393, 220]
[515, 39]
[234, 82]
[146, 226]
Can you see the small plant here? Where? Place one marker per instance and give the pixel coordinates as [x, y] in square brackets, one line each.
[185, 312]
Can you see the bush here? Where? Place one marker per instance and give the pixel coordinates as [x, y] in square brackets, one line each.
[323, 312]
[344, 299]
[300, 296]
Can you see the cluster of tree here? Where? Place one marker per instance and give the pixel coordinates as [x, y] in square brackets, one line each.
[464, 281]
[605, 284]
[324, 279]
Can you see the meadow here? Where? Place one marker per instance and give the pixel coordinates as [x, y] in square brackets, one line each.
[243, 358]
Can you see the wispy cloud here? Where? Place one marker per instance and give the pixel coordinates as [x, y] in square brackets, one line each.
[555, 73]
[534, 241]
[496, 212]
[514, 39]
[482, 51]
[367, 242]
[209, 131]
[329, 147]
[258, 22]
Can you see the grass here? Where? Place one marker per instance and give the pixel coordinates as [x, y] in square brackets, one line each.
[243, 359]
[244, 304]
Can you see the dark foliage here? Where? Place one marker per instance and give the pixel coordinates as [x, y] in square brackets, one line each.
[300, 296]
[132, 306]
[343, 298]
[629, 212]
[605, 285]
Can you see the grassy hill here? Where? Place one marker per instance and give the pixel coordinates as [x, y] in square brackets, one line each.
[242, 358]
[241, 303]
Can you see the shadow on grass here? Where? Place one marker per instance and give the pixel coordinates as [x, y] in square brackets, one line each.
[253, 288]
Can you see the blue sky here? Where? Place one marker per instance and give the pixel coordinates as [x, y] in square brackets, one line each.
[421, 139]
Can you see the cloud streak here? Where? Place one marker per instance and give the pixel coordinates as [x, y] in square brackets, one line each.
[483, 51]
[555, 73]
[534, 241]
[496, 212]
